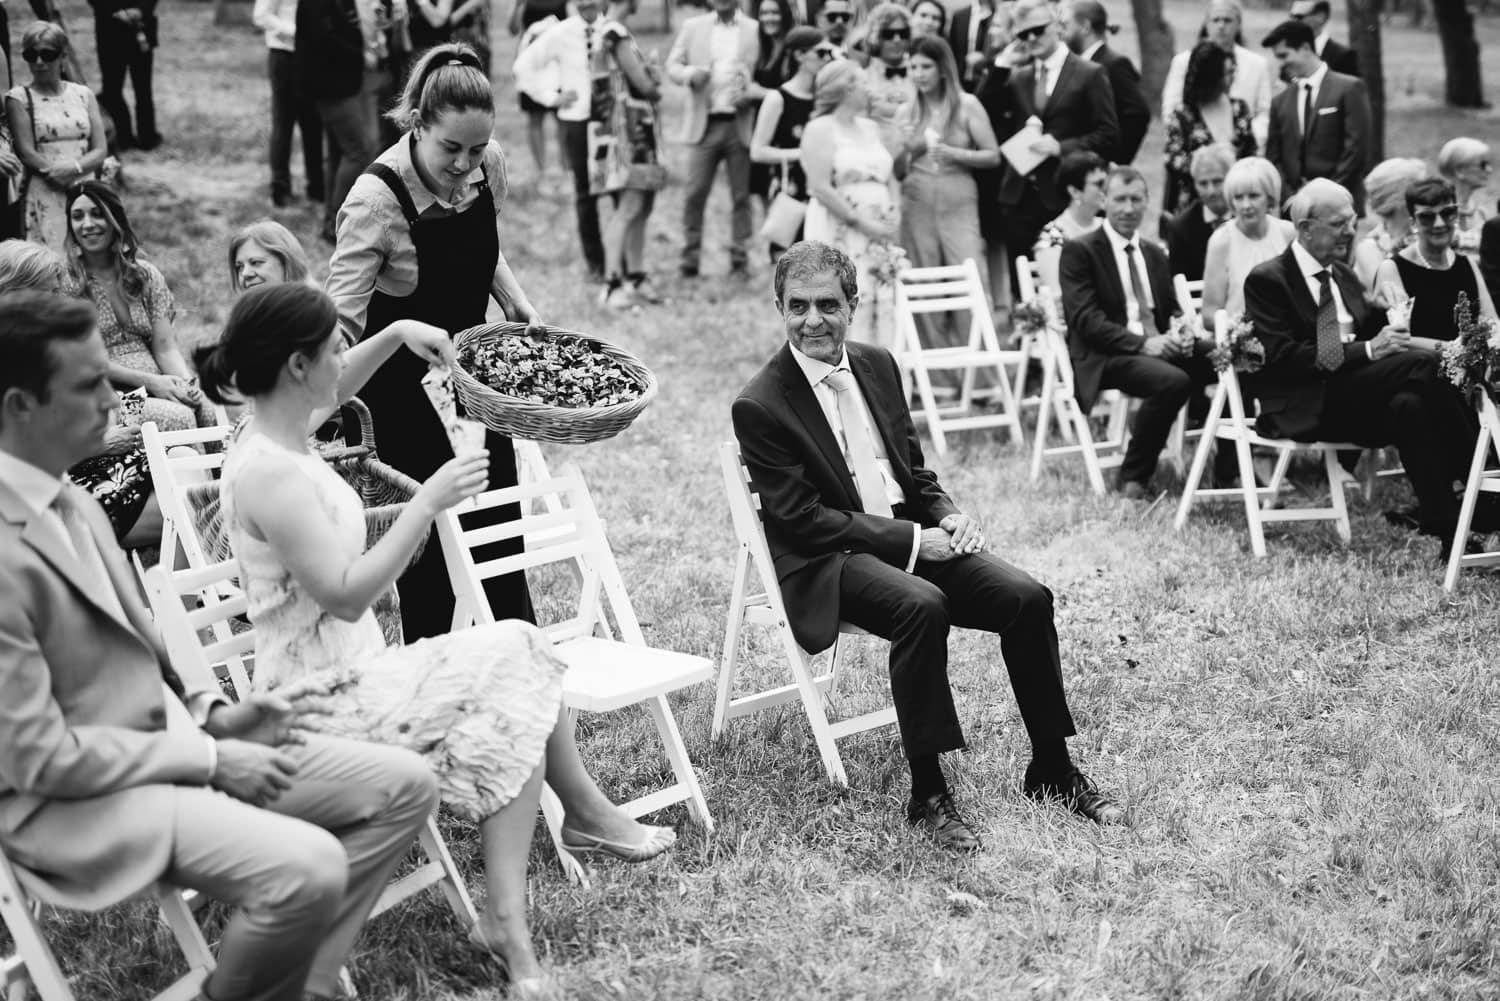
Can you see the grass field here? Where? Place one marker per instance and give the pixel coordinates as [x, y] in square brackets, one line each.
[1306, 744]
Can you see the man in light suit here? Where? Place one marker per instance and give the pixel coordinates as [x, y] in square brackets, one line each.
[861, 531]
[1119, 303]
[1085, 30]
[107, 782]
[1320, 124]
[1252, 76]
[1315, 14]
[1072, 99]
[966, 31]
[713, 57]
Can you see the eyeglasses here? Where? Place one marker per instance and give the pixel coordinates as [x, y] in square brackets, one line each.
[1429, 217]
[41, 55]
[837, 18]
[1296, 17]
[1027, 34]
[1481, 165]
[823, 52]
[895, 34]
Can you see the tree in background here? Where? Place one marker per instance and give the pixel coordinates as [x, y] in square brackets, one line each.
[1364, 38]
[1157, 46]
[1455, 27]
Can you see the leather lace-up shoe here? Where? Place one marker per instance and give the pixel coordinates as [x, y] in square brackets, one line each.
[939, 814]
[1077, 792]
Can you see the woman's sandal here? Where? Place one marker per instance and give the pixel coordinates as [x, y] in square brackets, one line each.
[539, 988]
[657, 840]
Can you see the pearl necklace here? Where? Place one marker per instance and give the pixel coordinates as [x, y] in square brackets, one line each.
[1444, 266]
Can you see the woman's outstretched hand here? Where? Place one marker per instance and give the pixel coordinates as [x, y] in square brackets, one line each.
[456, 480]
[432, 344]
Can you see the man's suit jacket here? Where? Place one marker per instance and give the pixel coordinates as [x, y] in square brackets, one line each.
[91, 737]
[1131, 110]
[1341, 58]
[1094, 305]
[1489, 256]
[1187, 235]
[809, 503]
[1290, 387]
[1080, 114]
[330, 48]
[959, 27]
[1337, 146]
[691, 49]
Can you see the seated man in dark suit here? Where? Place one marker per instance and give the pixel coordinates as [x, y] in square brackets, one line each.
[861, 532]
[1118, 301]
[1187, 232]
[1336, 370]
[1489, 255]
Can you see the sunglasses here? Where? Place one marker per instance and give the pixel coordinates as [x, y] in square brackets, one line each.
[823, 52]
[1427, 217]
[1027, 34]
[895, 34]
[837, 18]
[41, 55]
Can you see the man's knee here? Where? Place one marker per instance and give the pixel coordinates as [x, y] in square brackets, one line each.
[1173, 385]
[313, 876]
[411, 782]
[921, 605]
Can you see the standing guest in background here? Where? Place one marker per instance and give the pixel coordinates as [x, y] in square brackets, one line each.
[785, 112]
[436, 22]
[966, 37]
[1315, 14]
[419, 238]
[625, 157]
[1489, 256]
[771, 70]
[835, 18]
[266, 253]
[804, 12]
[11, 168]
[887, 78]
[528, 19]
[1082, 176]
[1320, 124]
[1085, 31]
[1187, 233]
[331, 62]
[712, 57]
[387, 52]
[557, 71]
[1431, 273]
[1072, 100]
[929, 17]
[58, 132]
[290, 106]
[125, 39]
[1207, 116]
[1385, 189]
[1252, 76]
[1002, 54]
[1255, 234]
[1466, 164]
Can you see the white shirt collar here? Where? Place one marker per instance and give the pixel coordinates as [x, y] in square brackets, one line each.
[816, 371]
[1317, 78]
[1054, 64]
[1119, 242]
[1088, 53]
[422, 197]
[719, 22]
[36, 487]
[1210, 217]
[1307, 263]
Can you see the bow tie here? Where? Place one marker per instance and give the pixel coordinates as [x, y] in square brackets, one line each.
[895, 71]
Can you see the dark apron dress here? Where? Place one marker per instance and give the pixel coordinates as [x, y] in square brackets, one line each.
[456, 257]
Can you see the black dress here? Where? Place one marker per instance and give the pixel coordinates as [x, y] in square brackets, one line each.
[1434, 293]
[770, 72]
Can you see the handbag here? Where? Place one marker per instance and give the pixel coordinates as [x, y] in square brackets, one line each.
[783, 216]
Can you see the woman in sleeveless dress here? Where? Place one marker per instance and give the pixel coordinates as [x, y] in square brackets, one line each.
[1255, 234]
[1207, 115]
[853, 202]
[784, 113]
[482, 705]
[58, 134]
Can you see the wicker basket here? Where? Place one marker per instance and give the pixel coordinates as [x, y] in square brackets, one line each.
[518, 418]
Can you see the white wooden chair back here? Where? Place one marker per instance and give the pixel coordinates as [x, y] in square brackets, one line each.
[756, 600]
[1481, 480]
[954, 289]
[177, 462]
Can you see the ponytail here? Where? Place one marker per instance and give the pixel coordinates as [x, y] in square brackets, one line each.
[447, 77]
[267, 325]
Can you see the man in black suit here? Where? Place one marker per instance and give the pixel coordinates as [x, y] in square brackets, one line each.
[1119, 302]
[1188, 231]
[1072, 100]
[861, 531]
[1489, 255]
[966, 36]
[1320, 124]
[125, 39]
[1085, 26]
[330, 57]
[1315, 14]
[1337, 370]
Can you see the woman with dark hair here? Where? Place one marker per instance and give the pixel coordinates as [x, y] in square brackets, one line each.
[929, 18]
[785, 112]
[482, 705]
[1207, 115]
[136, 308]
[1081, 174]
[773, 66]
[1429, 274]
[419, 238]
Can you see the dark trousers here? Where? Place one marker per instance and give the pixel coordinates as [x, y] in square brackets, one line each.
[914, 611]
[574, 137]
[120, 53]
[289, 109]
[1163, 385]
[1403, 400]
[351, 146]
[721, 142]
[1022, 223]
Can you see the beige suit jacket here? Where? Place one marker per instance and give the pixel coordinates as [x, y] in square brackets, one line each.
[91, 738]
[691, 50]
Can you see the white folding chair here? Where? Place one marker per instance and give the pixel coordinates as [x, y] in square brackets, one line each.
[198, 654]
[954, 289]
[1481, 480]
[1029, 344]
[177, 462]
[756, 601]
[33, 966]
[1190, 300]
[604, 674]
[1229, 422]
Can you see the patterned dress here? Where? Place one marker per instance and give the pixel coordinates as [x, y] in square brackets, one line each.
[478, 704]
[61, 127]
[1187, 133]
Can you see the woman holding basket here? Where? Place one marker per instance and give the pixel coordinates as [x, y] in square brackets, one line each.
[418, 238]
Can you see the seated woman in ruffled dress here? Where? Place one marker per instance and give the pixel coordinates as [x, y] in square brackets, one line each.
[483, 705]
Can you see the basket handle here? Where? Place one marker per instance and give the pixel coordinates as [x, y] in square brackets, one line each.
[366, 422]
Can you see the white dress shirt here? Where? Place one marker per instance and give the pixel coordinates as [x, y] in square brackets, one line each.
[278, 19]
[1133, 310]
[1310, 267]
[727, 75]
[817, 373]
[1315, 83]
[1054, 65]
[1321, 41]
[559, 61]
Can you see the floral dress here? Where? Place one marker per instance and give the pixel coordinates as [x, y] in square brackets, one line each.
[624, 152]
[1187, 133]
[61, 126]
[478, 704]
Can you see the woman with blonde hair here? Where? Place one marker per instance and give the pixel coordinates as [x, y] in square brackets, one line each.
[1385, 195]
[1253, 234]
[1466, 164]
[266, 253]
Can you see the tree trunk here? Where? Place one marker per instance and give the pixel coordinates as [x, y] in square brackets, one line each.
[1460, 53]
[1155, 36]
[1364, 37]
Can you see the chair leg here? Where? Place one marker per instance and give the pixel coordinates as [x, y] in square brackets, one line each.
[41, 968]
[1466, 509]
[812, 704]
[179, 917]
[1336, 497]
[930, 410]
[1044, 416]
[733, 627]
[1086, 447]
[1206, 443]
[552, 814]
[453, 886]
[682, 765]
[1250, 493]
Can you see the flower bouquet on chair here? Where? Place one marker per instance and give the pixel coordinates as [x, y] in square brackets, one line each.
[1471, 361]
[1243, 351]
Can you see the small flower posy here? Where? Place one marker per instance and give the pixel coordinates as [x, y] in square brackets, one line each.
[1243, 351]
[1471, 361]
[1029, 317]
[886, 261]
